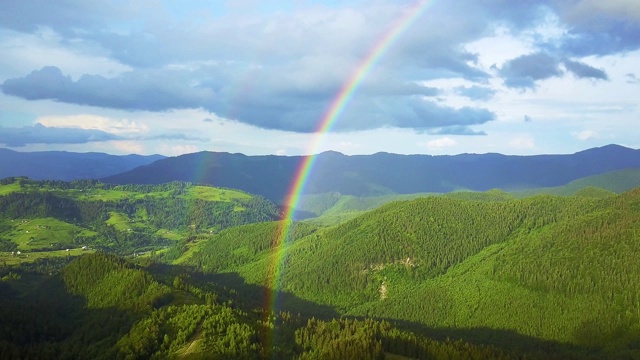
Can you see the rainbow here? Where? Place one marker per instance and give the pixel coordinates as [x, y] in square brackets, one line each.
[332, 113]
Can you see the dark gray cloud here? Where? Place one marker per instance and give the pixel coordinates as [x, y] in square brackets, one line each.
[601, 35]
[423, 115]
[525, 70]
[40, 134]
[583, 70]
[146, 90]
[262, 102]
[476, 92]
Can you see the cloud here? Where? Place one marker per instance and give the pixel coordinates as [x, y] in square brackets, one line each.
[525, 70]
[64, 16]
[632, 79]
[598, 27]
[476, 92]
[127, 146]
[173, 150]
[431, 115]
[145, 90]
[81, 129]
[457, 130]
[527, 118]
[283, 69]
[278, 108]
[441, 143]
[173, 136]
[522, 142]
[95, 122]
[582, 70]
[585, 135]
[40, 134]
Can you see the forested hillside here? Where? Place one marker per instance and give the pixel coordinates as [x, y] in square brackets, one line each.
[102, 307]
[451, 263]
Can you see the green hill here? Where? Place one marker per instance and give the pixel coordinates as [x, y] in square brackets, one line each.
[456, 264]
[334, 208]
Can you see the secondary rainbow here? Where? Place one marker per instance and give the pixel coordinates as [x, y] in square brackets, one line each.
[324, 126]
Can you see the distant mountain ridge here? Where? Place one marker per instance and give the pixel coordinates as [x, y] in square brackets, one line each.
[68, 166]
[382, 173]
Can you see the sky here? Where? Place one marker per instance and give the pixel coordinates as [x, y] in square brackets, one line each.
[258, 77]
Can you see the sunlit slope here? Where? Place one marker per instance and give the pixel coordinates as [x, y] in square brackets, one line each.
[334, 208]
[336, 205]
[54, 215]
[575, 280]
[558, 268]
[615, 181]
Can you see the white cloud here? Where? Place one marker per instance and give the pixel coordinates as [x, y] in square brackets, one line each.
[585, 135]
[441, 143]
[522, 142]
[173, 150]
[94, 122]
[21, 53]
[127, 147]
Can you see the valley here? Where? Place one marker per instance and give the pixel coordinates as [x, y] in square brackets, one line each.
[546, 273]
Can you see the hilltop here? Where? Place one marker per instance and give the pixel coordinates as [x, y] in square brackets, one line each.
[68, 166]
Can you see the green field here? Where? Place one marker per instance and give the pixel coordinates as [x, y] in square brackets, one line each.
[42, 233]
[28, 257]
[208, 193]
[170, 234]
[122, 222]
[9, 188]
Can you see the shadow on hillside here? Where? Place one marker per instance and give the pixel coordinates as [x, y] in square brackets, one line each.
[39, 318]
[231, 286]
[507, 340]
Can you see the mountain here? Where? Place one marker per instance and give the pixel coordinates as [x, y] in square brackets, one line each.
[382, 173]
[61, 165]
